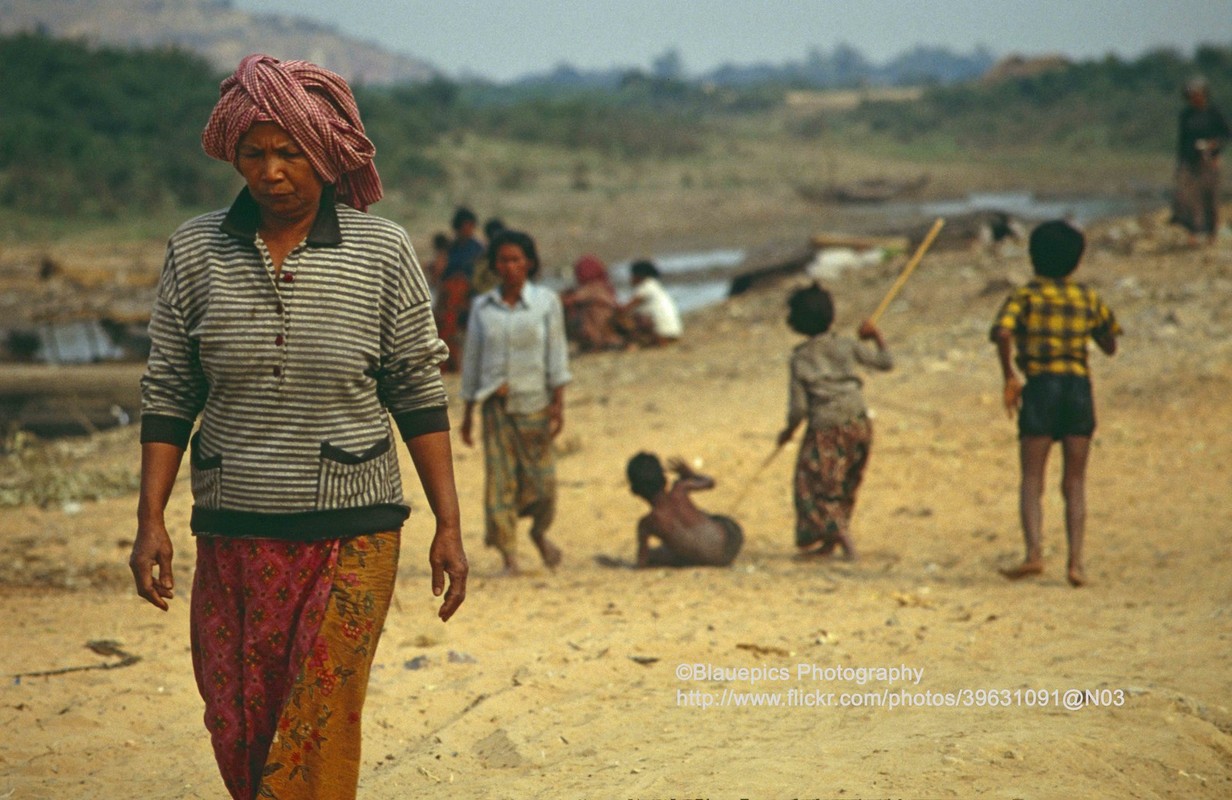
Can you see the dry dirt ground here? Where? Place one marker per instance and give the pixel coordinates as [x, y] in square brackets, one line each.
[581, 683]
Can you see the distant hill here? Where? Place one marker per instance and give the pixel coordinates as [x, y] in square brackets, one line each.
[213, 29]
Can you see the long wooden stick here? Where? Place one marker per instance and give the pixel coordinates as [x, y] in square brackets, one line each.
[907, 270]
[753, 479]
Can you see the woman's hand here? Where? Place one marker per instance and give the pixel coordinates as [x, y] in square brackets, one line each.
[468, 422]
[160, 462]
[556, 412]
[433, 459]
[446, 557]
[152, 548]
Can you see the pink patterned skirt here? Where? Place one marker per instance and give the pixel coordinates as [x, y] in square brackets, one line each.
[283, 636]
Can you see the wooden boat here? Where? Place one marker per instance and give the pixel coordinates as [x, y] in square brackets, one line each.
[865, 191]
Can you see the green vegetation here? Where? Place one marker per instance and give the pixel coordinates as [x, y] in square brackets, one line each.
[108, 134]
[1110, 105]
[96, 132]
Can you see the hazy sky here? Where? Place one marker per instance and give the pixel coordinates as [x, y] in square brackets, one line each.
[502, 40]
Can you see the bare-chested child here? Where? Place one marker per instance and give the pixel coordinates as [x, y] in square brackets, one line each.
[688, 536]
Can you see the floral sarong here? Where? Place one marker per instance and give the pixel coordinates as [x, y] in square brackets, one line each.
[828, 473]
[520, 473]
[283, 636]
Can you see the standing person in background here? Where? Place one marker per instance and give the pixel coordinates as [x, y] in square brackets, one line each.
[515, 366]
[436, 267]
[485, 278]
[825, 392]
[457, 285]
[658, 320]
[268, 321]
[492, 227]
[1202, 134]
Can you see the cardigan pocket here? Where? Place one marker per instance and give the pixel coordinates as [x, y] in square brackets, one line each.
[206, 476]
[347, 480]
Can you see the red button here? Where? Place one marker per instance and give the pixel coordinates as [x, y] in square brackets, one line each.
[287, 277]
[277, 372]
[278, 340]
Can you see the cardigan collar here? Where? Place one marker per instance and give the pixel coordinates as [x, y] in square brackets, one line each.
[244, 214]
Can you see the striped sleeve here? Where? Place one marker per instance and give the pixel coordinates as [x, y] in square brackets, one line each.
[410, 384]
[173, 388]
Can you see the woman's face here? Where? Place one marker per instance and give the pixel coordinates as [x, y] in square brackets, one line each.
[512, 265]
[279, 175]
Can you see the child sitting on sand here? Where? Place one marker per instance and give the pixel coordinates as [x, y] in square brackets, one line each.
[825, 390]
[690, 537]
[658, 319]
[1049, 321]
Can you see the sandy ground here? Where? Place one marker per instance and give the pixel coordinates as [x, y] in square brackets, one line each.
[571, 685]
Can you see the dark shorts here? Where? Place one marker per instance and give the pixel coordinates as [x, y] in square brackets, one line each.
[735, 537]
[1057, 406]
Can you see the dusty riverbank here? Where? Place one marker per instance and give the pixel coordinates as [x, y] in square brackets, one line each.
[566, 684]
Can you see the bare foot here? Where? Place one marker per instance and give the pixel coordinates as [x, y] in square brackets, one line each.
[1077, 577]
[1023, 570]
[550, 553]
[825, 550]
[511, 566]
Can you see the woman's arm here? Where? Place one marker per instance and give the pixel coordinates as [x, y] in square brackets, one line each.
[433, 459]
[556, 365]
[160, 463]
[797, 406]
[556, 412]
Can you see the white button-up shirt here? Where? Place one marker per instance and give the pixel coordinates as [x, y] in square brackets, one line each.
[522, 346]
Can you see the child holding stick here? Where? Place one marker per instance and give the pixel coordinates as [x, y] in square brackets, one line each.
[1049, 321]
[825, 390]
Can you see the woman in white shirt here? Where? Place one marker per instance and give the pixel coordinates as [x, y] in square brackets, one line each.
[515, 368]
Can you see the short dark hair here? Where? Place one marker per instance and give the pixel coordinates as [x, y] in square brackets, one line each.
[462, 216]
[1056, 248]
[440, 241]
[644, 269]
[811, 310]
[492, 227]
[519, 239]
[646, 476]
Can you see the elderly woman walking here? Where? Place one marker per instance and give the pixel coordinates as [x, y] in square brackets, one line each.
[292, 325]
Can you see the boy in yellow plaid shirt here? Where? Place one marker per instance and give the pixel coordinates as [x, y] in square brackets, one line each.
[1047, 323]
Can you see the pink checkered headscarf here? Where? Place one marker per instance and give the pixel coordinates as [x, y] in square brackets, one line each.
[314, 106]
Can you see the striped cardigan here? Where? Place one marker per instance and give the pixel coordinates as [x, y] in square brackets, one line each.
[294, 378]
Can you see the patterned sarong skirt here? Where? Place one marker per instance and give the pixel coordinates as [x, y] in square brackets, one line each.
[283, 636]
[829, 469]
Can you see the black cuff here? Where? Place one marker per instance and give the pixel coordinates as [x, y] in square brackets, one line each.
[424, 420]
[170, 430]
